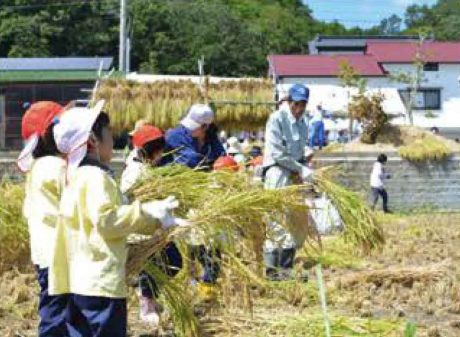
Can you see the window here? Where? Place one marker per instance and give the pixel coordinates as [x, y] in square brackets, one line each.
[425, 99]
[431, 66]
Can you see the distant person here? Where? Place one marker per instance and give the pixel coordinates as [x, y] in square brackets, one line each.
[435, 130]
[129, 151]
[235, 150]
[342, 137]
[316, 132]
[378, 177]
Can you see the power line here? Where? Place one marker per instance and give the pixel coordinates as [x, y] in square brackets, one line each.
[59, 4]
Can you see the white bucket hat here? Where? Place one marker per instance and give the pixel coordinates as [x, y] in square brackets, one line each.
[73, 131]
[197, 115]
[234, 146]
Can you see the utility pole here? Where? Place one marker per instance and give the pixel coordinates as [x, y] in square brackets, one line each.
[122, 51]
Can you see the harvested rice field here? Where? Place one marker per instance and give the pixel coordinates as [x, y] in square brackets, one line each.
[413, 283]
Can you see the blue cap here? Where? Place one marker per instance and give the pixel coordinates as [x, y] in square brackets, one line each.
[299, 92]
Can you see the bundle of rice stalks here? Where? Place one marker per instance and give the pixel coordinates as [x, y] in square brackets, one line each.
[175, 299]
[225, 210]
[13, 229]
[425, 148]
[238, 104]
[360, 225]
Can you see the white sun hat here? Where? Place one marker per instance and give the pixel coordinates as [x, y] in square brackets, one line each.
[73, 131]
[197, 115]
[234, 146]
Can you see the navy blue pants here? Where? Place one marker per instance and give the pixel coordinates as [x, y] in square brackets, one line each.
[93, 316]
[209, 259]
[52, 309]
[376, 192]
[168, 260]
[277, 260]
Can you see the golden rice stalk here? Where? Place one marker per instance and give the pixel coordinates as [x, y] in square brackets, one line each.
[175, 299]
[426, 148]
[360, 225]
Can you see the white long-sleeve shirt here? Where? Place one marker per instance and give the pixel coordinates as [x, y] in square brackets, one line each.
[378, 175]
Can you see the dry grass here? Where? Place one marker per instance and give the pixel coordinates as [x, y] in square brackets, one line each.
[426, 148]
[412, 143]
[14, 244]
[378, 302]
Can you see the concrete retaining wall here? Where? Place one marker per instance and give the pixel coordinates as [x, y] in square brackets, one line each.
[412, 186]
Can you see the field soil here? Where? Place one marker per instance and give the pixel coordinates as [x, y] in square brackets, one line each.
[414, 278]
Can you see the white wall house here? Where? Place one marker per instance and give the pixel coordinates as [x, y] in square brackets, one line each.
[437, 102]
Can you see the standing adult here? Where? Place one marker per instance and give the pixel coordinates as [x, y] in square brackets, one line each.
[285, 140]
[317, 135]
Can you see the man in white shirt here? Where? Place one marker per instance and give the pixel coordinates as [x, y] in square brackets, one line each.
[378, 176]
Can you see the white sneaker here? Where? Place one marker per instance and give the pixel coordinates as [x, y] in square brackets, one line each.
[148, 311]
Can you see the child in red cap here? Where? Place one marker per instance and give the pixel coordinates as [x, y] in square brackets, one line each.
[149, 145]
[45, 169]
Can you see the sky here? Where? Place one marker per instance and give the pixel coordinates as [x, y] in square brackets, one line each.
[362, 13]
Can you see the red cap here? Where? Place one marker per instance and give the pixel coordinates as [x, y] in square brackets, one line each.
[38, 117]
[145, 134]
[226, 163]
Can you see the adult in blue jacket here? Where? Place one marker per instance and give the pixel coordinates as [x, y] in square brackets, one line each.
[195, 142]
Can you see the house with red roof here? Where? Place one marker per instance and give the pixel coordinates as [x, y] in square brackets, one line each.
[379, 60]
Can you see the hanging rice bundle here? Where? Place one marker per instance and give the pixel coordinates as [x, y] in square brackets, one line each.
[238, 104]
[360, 225]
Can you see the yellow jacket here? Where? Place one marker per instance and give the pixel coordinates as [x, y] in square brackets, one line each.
[41, 206]
[90, 252]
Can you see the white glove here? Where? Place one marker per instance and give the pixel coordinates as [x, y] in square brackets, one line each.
[161, 210]
[181, 222]
[306, 174]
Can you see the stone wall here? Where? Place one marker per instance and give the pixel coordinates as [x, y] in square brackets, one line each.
[412, 186]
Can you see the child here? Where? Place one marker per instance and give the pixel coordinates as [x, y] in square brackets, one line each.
[91, 251]
[149, 144]
[44, 166]
[378, 176]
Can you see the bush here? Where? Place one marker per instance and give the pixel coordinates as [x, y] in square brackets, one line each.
[368, 110]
